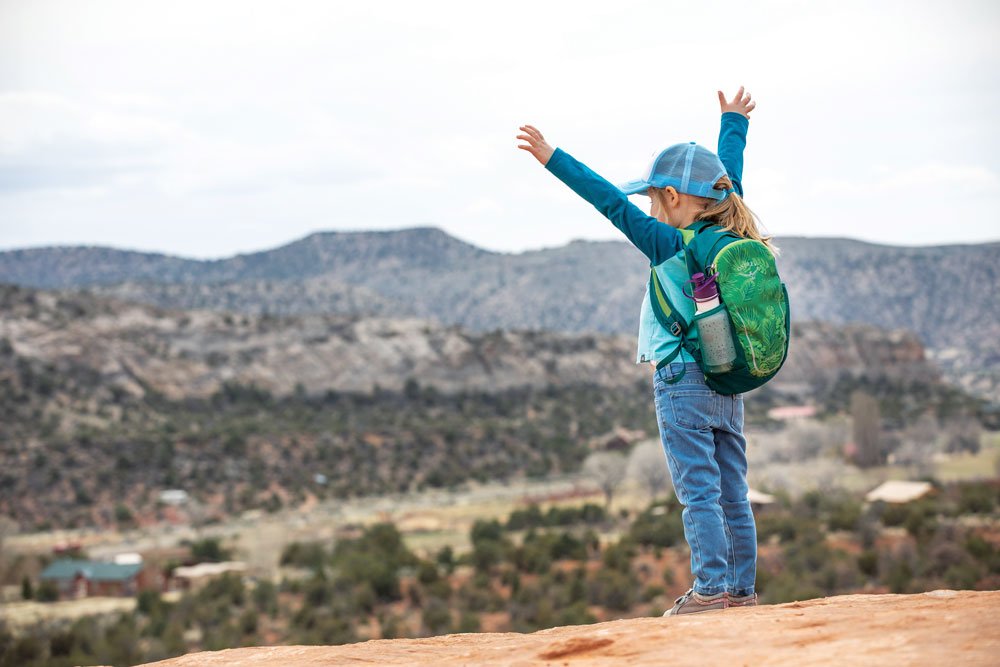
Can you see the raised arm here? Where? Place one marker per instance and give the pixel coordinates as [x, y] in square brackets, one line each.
[658, 241]
[733, 134]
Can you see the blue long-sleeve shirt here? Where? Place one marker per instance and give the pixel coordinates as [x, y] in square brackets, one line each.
[660, 242]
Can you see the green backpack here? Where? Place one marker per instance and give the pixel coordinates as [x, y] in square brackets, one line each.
[753, 296]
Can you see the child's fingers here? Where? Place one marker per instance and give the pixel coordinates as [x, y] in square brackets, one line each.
[722, 98]
[751, 107]
[524, 137]
[738, 96]
[534, 131]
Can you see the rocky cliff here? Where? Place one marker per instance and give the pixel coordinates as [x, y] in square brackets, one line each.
[580, 287]
[941, 627]
[103, 401]
[136, 348]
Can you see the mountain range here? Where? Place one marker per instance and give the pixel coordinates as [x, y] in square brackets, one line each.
[946, 295]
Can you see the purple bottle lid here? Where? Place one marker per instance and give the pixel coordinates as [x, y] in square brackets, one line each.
[704, 287]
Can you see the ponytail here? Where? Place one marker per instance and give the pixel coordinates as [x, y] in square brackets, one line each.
[734, 215]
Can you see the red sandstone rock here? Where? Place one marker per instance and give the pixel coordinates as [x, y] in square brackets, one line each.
[938, 628]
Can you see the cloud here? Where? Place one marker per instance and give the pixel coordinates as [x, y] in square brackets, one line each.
[50, 141]
[62, 143]
[951, 179]
[150, 123]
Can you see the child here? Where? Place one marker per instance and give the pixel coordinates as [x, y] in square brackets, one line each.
[701, 430]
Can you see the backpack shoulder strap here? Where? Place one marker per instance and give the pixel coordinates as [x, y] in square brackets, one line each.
[669, 319]
[706, 242]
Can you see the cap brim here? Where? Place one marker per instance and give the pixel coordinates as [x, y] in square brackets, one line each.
[634, 187]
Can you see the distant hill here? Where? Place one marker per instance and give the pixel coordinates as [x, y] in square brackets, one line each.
[103, 401]
[946, 294]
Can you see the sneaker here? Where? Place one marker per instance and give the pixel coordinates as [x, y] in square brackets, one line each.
[743, 600]
[692, 603]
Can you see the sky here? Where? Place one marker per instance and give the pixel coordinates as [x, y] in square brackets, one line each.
[211, 128]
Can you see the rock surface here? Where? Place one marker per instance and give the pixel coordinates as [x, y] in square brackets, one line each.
[195, 353]
[941, 627]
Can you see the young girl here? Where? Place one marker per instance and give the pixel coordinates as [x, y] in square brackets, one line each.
[701, 430]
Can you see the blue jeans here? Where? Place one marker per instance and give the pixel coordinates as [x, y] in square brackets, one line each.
[702, 434]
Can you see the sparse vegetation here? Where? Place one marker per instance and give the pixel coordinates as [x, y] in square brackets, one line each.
[557, 572]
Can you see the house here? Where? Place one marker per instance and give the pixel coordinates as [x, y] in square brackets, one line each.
[75, 578]
[759, 498]
[898, 491]
[193, 577]
[792, 412]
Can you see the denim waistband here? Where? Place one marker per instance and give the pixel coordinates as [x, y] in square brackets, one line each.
[692, 373]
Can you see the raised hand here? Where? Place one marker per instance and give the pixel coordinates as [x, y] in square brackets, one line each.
[537, 145]
[740, 103]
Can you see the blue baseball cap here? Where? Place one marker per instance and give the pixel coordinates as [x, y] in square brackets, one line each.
[689, 168]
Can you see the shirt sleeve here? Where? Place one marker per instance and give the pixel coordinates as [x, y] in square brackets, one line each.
[732, 141]
[657, 240]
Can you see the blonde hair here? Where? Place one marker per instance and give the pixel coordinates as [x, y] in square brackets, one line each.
[734, 215]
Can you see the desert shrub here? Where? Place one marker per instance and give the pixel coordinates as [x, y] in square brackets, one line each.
[427, 572]
[304, 554]
[436, 617]
[530, 610]
[984, 552]
[248, 622]
[47, 592]
[61, 644]
[565, 546]
[486, 531]
[575, 614]
[619, 556]
[539, 550]
[265, 598]
[468, 622]
[209, 550]
[868, 563]
[898, 576]
[374, 559]
[786, 527]
[976, 498]
[659, 526]
[322, 626]
[21, 651]
[921, 521]
[844, 515]
[963, 576]
[489, 545]
[473, 597]
[785, 587]
[652, 592]
[149, 602]
[613, 589]
[27, 588]
[446, 559]
[227, 589]
[486, 554]
[533, 556]
[521, 519]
